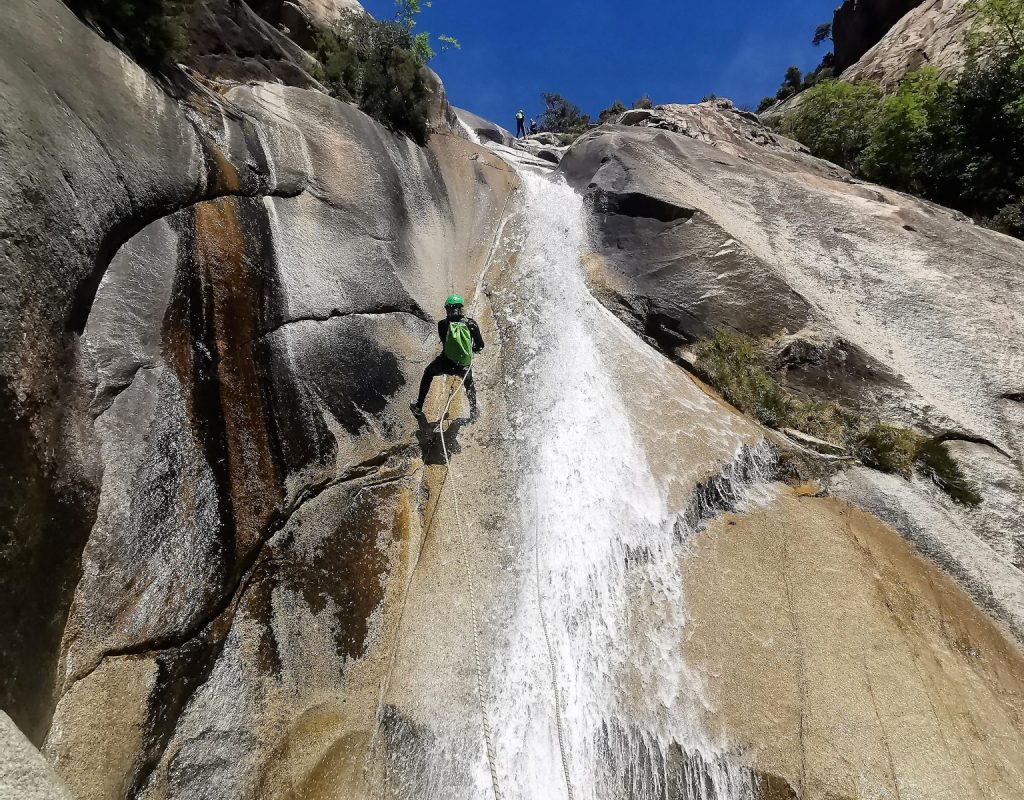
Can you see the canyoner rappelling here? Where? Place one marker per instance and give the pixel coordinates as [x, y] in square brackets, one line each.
[460, 341]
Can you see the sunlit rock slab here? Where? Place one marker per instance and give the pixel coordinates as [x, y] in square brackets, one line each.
[837, 659]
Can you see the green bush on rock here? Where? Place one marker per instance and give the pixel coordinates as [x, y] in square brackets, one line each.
[562, 116]
[152, 31]
[736, 366]
[957, 142]
[836, 120]
[379, 66]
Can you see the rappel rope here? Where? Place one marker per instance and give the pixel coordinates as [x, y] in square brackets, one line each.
[386, 683]
[551, 655]
[488, 736]
[477, 660]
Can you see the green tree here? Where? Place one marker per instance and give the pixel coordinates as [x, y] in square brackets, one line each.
[977, 164]
[612, 113]
[791, 83]
[901, 144]
[835, 120]
[957, 142]
[998, 25]
[561, 116]
[406, 14]
[823, 33]
[644, 101]
[765, 104]
[153, 32]
[379, 66]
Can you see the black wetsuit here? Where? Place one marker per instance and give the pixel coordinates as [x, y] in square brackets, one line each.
[442, 365]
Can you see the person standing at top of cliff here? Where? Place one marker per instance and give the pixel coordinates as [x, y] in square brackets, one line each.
[460, 340]
[520, 124]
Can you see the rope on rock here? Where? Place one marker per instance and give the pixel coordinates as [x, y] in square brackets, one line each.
[551, 656]
[386, 682]
[488, 736]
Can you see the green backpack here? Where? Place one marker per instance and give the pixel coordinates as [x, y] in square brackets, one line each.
[458, 344]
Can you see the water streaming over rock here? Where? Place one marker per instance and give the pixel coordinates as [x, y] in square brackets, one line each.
[600, 559]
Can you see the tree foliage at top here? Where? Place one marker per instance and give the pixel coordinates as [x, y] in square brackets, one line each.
[561, 116]
[998, 26]
[823, 33]
[406, 14]
[791, 83]
[644, 101]
[379, 66]
[154, 32]
[958, 142]
[612, 113]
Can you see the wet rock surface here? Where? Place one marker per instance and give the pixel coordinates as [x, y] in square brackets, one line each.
[210, 314]
[929, 691]
[896, 307]
[235, 566]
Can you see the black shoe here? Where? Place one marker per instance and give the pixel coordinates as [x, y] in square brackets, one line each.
[417, 409]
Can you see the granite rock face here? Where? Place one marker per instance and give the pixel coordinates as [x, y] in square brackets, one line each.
[932, 34]
[876, 679]
[250, 358]
[24, 772]
[93, 150]
[238, 41]
[894, 306]
[236, 566]
[484, 130]
[859, 24]
[173, 261]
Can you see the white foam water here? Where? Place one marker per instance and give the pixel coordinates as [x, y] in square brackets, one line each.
[601, 555]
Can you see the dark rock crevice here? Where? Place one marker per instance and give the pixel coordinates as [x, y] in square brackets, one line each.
[980, 440]
[638, 204]
[44, 524]
[380, 311]
[725, 491]
[131, 226]
[103, 400]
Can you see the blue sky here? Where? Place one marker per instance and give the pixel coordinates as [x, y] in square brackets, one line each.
[595, 52]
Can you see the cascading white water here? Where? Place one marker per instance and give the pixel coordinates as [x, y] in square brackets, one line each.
[605, 548]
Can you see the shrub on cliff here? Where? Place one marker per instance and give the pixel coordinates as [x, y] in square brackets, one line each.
[956, 142]
[959, 143]
[976, 126]
[153, 31]
[379, 66]
[562, 116]
[836, 120]
[902, 141]
[612, 113]
[736, 366]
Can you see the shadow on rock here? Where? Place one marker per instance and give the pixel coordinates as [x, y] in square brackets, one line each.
[429, 437]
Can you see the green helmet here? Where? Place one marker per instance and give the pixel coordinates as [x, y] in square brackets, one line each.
[454, 300]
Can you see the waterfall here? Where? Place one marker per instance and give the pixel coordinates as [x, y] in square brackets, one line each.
[599, 558]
